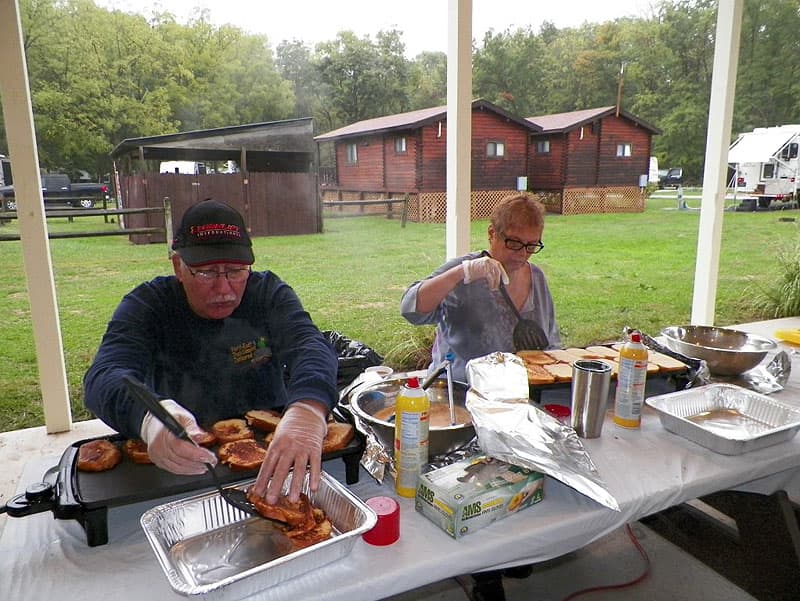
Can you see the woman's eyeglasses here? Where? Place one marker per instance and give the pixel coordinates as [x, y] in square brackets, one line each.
[514, 244]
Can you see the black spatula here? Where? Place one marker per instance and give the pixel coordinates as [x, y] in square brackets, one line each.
[527, 335]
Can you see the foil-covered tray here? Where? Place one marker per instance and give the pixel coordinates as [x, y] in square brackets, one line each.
[206, 547]
[727, 419]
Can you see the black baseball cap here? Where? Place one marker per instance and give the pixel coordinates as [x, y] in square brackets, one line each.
[213, 232]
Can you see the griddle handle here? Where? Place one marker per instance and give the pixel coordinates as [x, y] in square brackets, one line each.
[151, 400]
[20, 506]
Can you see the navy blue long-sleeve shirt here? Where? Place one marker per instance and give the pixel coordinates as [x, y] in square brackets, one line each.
[267, 354]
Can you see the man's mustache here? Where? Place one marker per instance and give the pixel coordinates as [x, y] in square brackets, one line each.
[223, 298]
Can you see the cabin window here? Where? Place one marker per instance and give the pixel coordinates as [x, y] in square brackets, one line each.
[768, 171]
[352, 154]
[789, 151]
[543, 146]
[495, 149]
[624, 150]
[400, 144]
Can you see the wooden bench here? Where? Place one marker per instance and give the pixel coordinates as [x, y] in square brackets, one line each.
[388, 202]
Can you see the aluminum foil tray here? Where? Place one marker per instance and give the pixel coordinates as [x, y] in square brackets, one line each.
[725, 418]
[206, 547]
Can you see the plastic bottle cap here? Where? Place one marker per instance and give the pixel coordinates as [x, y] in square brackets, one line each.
[413, 382]
[636, 337]
[387, 529]
[560, 412]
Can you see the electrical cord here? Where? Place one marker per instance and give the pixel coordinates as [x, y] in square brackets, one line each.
[608, 587]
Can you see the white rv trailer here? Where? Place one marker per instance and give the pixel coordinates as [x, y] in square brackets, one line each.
[765, 163]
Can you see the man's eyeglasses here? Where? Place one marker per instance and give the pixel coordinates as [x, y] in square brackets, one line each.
[209, 276]
[514, 244]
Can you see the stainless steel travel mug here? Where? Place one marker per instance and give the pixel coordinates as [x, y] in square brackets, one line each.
[590, 383]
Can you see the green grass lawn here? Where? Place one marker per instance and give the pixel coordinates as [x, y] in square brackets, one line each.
[605, 272]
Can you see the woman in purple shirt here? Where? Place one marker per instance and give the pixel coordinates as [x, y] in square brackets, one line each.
[463, 297]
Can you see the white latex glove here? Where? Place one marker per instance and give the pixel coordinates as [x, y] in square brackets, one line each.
[168, 451]
[485, 268]
[297, 444]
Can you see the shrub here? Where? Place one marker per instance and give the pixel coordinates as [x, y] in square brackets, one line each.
[413, 350]
[783, 298]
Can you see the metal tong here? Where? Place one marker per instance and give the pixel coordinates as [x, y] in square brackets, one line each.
[698, 373]
[235, 497]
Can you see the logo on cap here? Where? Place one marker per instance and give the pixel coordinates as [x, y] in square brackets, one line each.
[209, 230]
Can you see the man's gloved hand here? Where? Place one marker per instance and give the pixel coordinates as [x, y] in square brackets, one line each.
[297, 444]
[168, 451]
[487, 269]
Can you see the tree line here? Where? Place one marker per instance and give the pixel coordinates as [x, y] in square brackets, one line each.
[99, 76]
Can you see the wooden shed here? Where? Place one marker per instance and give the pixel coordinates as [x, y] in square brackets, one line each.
[406, 153]
[591, 161]
[273, 185]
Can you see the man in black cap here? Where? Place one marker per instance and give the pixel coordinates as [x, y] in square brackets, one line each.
[216, 340]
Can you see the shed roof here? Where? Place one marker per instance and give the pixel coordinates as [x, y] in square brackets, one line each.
[223, 143]
[561, 122]
[760, 145]
[414, 120]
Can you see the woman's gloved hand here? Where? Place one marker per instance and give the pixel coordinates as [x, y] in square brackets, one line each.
[297, 444]
[485, 268]
[168, 451]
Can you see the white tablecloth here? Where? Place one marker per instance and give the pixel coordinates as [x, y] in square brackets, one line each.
[646, 470]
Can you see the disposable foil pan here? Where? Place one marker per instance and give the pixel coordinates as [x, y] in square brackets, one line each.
[725, 418]
[206, 547]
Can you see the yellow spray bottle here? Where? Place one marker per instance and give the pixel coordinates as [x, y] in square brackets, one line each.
[631, 382]
[411, 423]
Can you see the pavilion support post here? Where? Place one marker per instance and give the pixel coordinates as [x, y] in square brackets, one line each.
[720, 118]
[18, 118]
[459, 126]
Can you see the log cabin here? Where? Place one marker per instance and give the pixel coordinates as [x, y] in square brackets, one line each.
[583, 161]
[592, 157]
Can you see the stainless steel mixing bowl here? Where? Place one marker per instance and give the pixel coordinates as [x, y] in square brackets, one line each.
[726, 352]
[367, 400]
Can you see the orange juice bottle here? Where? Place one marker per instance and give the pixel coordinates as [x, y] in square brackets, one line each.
[411, 423]
[630, 383]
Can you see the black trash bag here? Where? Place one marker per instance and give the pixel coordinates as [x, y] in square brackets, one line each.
[354, 357]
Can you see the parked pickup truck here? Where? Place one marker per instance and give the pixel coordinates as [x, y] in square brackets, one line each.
[670, 178]
[59, 191]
